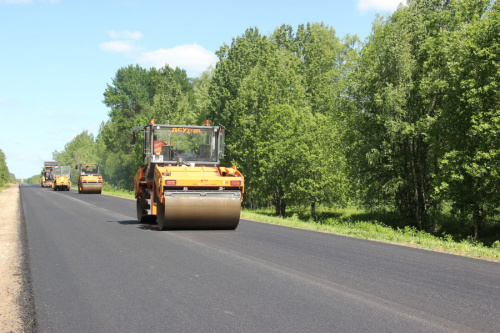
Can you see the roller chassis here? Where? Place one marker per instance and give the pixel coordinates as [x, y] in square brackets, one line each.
[47, 183]
[61, 184]
[61, 187]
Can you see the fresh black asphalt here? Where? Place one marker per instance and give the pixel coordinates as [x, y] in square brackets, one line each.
[94, 268]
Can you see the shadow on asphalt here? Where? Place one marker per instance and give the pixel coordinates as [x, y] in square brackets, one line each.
[143, 226]
[154, 227]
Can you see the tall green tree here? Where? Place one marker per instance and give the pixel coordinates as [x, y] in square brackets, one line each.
[129, 97]
[235, 107]
[82, 149]
[234, 65]
[470, 122]
[201, 99]
[136, 96]
[34, 179]
[397, 161]
[5, 176]
[171, 100]
[325, 65]
[271, 106]
[278, 96]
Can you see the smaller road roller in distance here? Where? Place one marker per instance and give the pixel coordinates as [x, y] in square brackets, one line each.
[181, 185]
[89, 178]
[47, 176]
[62, 174]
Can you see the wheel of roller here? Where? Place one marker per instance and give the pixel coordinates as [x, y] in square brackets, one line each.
[142, 216]
[160, 216]
[140, 211]
[160, 212]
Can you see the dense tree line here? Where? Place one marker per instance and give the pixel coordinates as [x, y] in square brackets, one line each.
[82, 149]
[5, 175]
[406, 121]
[35, 179]
[428, 95]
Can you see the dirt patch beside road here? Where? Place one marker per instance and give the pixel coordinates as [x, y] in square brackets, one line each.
[10, 261]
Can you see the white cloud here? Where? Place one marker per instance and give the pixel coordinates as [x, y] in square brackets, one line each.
[192, 57]
[125, 34]
[118, 46]
[124, 42]
[385, 5]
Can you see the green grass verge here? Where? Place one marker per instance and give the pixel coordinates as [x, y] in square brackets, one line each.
[6, 186]
[377, 231]
[108, 190]
[342, 224]
[119, 193]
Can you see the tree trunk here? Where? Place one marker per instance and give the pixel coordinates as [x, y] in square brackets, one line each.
[313, 211]
[279, 203]
[478, 217]
[283, 208]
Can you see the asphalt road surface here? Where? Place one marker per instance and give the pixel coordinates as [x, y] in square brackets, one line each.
[94, 268]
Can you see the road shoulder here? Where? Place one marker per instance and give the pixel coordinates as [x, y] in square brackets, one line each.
[10, 261]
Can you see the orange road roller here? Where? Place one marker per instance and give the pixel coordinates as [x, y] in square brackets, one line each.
[181, 185]
[62, 176]
[89, 178]
[47, 176]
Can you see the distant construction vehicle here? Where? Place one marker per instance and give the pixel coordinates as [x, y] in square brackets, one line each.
[47, 177]
[181, 184]
[62, 180]
[89, 178]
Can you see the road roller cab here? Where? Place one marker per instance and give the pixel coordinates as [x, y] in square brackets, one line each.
[62, 180]
[181, 185]
[89, 178]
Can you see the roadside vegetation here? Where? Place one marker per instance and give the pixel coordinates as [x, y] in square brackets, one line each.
[354, 222]
[4, 187]
[5, 176]
[108, 189]
[403, 126]
[34, 179]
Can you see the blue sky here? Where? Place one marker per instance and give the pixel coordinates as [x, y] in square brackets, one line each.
[57, 56]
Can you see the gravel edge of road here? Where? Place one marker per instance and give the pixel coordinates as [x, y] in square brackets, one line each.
[26, 300]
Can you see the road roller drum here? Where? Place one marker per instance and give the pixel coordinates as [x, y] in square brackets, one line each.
[200, 210]
[89, 188]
